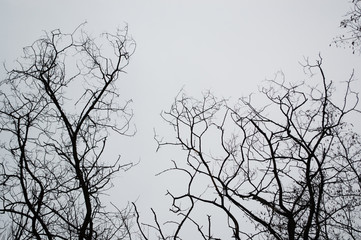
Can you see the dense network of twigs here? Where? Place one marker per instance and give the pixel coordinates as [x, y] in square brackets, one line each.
[286, 166]
[57, 109]
[290, 167]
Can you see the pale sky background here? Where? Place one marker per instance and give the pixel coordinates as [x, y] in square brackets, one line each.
[228, 47]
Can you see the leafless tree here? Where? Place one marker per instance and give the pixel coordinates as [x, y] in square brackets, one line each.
[57, 110]
[286, 169]
[352, 24]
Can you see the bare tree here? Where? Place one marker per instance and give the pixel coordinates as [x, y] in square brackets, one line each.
[57, 110]
[352, 24]
[288, 169]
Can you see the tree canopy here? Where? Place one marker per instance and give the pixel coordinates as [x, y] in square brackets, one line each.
[57, 109]
[290, 166]
[282, 163]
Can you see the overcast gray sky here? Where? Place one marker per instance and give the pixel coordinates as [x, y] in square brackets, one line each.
[227, 47]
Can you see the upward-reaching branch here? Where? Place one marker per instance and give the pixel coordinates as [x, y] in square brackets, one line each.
[58, 122]
[289, 166]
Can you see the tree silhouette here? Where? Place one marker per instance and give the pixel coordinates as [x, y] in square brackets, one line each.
[289, 167]
[57, 110]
